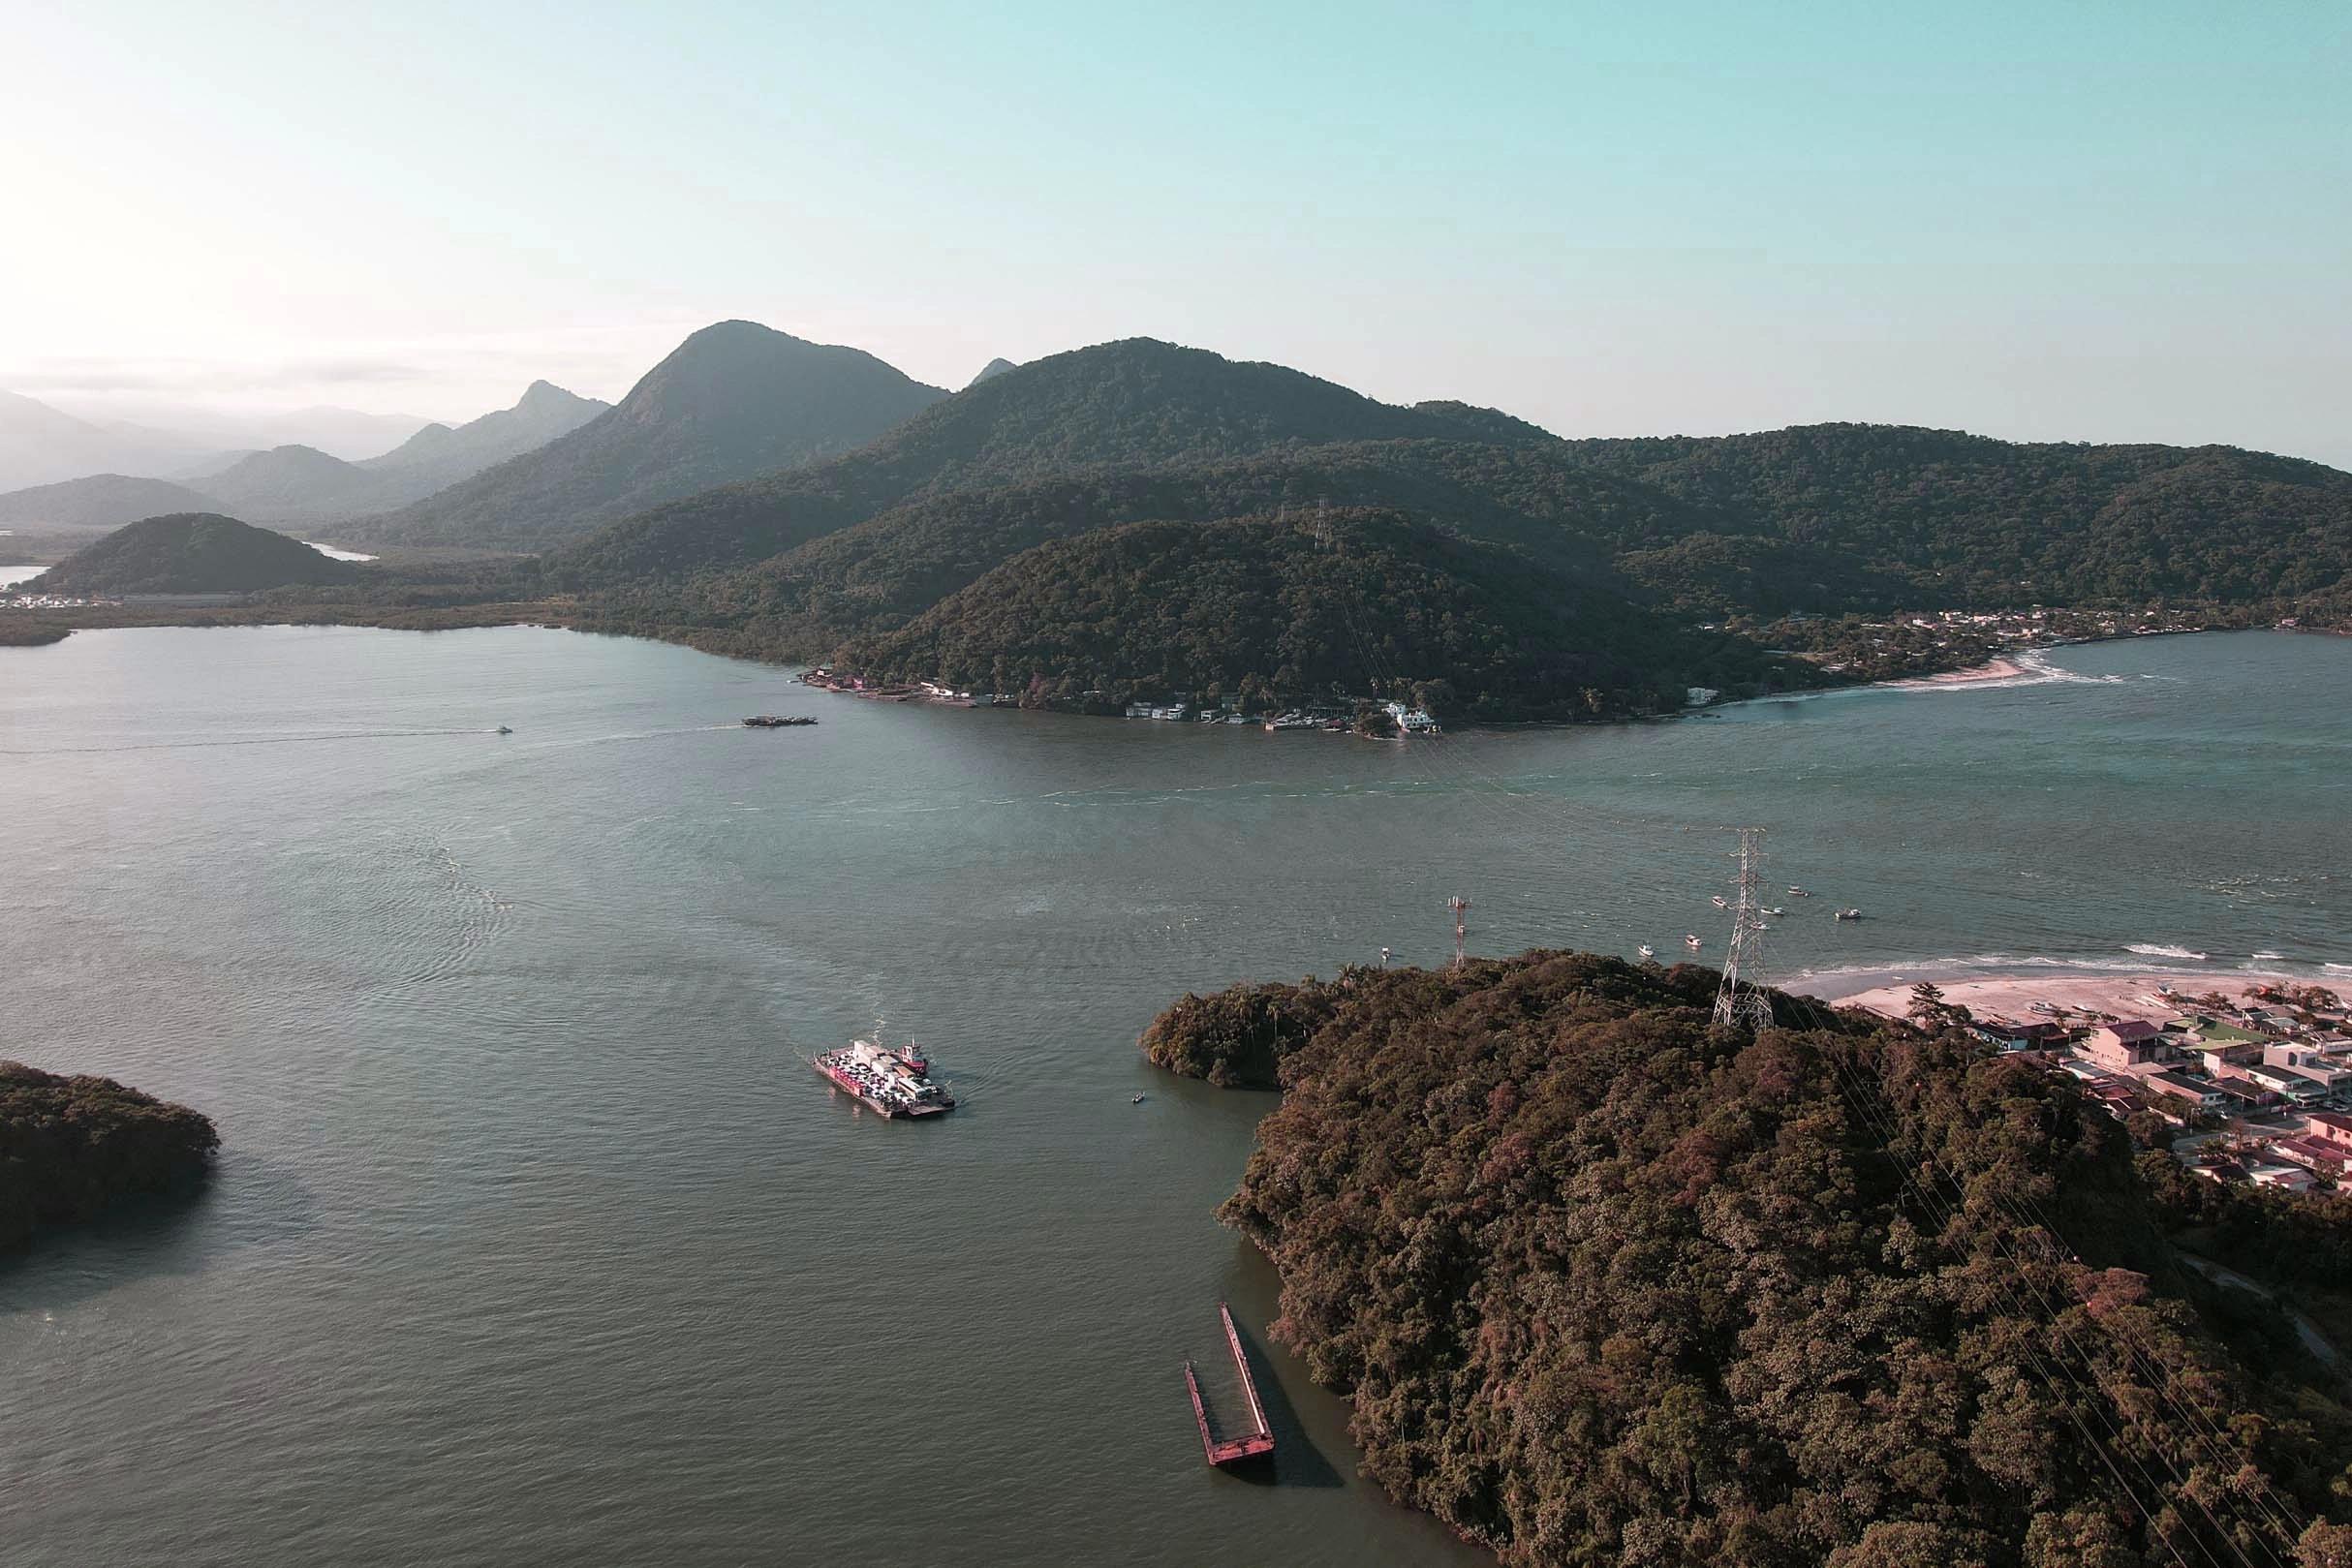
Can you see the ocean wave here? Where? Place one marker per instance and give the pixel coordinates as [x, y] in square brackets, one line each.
[2266, 955]
[1993, 964]
[2159, 950]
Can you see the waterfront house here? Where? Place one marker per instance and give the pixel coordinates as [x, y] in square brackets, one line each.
[2123, 1045]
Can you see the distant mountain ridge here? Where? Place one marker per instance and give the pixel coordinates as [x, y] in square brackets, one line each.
[39, 445]
[734, 399]
[293, 483]
[441, 456]
[192, 553]
[297, 485]
[101, 501]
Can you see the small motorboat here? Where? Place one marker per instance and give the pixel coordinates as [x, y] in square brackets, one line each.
[505, 730]
[1721, 901]
[1849, 914]
[1774, 910]
[1692, 942]
[1799, 893]
[1138, 1100]
[1646, 950]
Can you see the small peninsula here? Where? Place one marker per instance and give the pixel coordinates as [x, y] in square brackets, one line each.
[1604, 1282]
[72, 1147]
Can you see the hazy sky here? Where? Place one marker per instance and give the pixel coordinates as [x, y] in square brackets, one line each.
[2070, 221]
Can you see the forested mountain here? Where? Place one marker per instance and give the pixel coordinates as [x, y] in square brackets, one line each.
[297, 485]
[441, 456]
[733, 400]
[1971, 519]
[989, 371]
[1605, 1284]
[191, 553]
[100, 501]
[1117, 405]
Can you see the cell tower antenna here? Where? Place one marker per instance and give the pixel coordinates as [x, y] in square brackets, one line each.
[1741, 999]
[1461, 907]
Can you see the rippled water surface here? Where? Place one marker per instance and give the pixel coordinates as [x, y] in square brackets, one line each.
[535, 1240]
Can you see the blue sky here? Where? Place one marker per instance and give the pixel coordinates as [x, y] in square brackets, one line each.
[2095, 222]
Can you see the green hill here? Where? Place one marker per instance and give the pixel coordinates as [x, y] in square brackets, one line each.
[192, 553]
[1605, 1284]
[733, 400]
[1329, 603]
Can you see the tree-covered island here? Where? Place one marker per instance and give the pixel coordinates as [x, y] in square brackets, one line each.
[72, 1147]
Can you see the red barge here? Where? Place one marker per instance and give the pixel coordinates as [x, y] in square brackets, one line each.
[1258, 1440]
[889, 1083]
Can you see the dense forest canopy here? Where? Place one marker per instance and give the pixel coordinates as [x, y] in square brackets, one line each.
[1605, 1284]
[72, 1146]
[1255, 610]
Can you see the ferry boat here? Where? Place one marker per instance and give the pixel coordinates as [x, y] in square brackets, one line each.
[770, 720]
[888, 1082]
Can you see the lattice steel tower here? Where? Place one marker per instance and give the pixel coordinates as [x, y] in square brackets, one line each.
[1740, 999]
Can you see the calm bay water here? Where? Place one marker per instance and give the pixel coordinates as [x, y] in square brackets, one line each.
[535, 1239]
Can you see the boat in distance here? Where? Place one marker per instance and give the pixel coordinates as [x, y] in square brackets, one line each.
[889, 1082]
[770, 720]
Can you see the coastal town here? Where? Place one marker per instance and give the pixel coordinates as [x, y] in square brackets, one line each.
[1363, 716]
[2252, 1077]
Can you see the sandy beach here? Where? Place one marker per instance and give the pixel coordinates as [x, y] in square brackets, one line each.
[1999, 669]
[2119, 993]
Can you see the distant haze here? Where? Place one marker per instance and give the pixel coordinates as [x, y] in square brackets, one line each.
[2100, 222]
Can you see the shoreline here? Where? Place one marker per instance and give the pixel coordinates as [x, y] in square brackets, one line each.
[2123, 992]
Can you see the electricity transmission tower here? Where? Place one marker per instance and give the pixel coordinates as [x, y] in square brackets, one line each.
[1461, 907]
[1741, 999]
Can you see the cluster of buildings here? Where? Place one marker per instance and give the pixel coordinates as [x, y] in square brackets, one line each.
[2259, 1089]
[1409, 721]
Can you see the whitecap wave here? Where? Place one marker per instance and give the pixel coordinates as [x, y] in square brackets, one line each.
[2266, 955]
[2160, 950]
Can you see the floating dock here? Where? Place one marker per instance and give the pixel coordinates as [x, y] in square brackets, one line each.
[1258, 1440]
